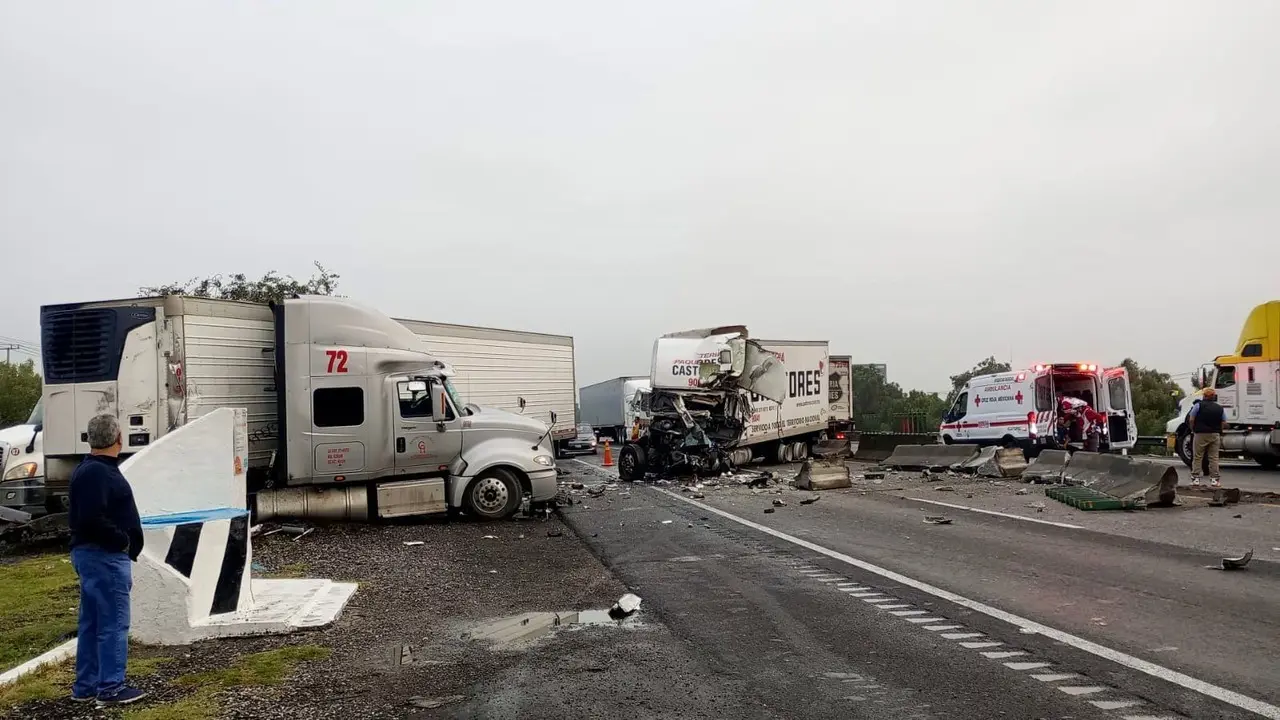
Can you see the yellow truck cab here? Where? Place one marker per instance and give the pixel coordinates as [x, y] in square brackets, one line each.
[1248, 386]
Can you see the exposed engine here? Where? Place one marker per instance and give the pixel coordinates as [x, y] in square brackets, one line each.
[689, 433]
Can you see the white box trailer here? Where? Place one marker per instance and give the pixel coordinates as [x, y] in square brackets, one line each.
[803, 416]
[526, 373]
[840, 390]
[607, 406]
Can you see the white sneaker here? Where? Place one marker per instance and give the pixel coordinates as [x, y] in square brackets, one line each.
[1195, 481]
[1217, 482]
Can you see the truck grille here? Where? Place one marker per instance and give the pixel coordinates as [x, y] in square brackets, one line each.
[84, 344]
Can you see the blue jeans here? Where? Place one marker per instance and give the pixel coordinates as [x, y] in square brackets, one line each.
[102, 644]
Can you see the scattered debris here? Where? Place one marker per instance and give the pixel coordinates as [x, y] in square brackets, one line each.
[431, 703]
[698, 496]
[1023, 491]
[666, 522]
[1237, 517]
[626, 605]
[926, 474]
[937, 519]
[253, 531]
[577, 486]
[304, 534]
[768, 510]
[777, 502]
[1037, 506]
[1237, 563]
[811, 500]
[298, 530]
[945, 488]
[875, 475]
[488, 537]
[413, 543]
[555, 533]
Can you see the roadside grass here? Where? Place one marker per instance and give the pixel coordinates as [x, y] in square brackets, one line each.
[47, 683]
[270, 667]
[39, 601]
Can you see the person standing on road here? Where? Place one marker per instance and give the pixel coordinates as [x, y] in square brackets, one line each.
[1208, 421]
[106, 537]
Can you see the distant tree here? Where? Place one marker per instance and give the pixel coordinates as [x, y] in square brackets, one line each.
[990, 366]
[271, 287]
[1155, 397]
[19, 391]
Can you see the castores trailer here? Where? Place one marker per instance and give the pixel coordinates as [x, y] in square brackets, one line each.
[350, 415]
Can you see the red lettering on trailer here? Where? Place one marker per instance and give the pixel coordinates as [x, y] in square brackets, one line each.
[337, 358]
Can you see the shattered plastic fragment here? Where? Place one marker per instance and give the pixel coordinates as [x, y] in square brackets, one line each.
[810, 501]
[626, 605]
[414, 543]
[1237, 563]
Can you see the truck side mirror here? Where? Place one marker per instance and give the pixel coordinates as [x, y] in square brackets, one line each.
[440, 409]
[553, 417]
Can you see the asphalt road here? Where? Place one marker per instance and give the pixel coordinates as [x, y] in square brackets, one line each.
[1246, 475]
[854, 607]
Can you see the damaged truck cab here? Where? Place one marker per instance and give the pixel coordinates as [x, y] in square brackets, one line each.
[699, 404]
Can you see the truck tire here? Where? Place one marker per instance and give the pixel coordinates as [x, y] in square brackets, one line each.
[1183, 446]
[1268, 462]
[799, 451]
[631, 463]
[494, 495]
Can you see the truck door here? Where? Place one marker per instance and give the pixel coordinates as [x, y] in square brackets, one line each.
[426, 441]
[1228, 393]
[1122, 423]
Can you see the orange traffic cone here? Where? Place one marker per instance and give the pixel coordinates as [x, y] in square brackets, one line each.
[608, 455]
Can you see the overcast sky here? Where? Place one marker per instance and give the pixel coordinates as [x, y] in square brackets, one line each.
[922, 183]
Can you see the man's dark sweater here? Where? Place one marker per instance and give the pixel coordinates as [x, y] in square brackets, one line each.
[102, 511]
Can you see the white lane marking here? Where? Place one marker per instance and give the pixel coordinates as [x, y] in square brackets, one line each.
[906, 613]
[876, 600]
[895, 607]
[1114, 704]
[1231, 697]
[1069, 526]
[1055, 677]
[1026, 665]
[863, 594]
[1148, 717]
[826, 579]
[979, 645]
[1003, 654]
[924, 620]
[936, 628]
[961, 636]
[1081, 690]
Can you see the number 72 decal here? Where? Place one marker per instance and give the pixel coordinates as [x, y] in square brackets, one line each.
[337, 361]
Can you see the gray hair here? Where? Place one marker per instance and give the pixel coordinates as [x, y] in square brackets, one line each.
[103, 431]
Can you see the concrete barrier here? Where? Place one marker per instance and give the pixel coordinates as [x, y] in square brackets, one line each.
[823, 474]
[875, 447]
[1123, 477]
[917, 457]
[1046, 468]
[994, 462]
[193, 580]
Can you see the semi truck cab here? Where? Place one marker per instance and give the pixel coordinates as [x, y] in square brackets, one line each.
[22, 464]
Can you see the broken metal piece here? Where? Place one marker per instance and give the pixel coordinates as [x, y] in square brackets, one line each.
[1237, 563]
[777, 502]
[937, 519]
[811, 500]
[944, 488]
[768, 510]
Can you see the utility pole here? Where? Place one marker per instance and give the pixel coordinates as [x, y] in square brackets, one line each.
[8, 349]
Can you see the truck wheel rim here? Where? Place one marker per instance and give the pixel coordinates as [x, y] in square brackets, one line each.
[1186, 446]
[490, 494]
[626, 463]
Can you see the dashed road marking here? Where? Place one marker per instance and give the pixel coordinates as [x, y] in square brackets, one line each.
[1230, 697]
[907, 613]
[924, 620]
[1114, 704]
[979, 645]
[937, 628]
[1027, 665]
[1002, 654]
[1055, 677]
[961, 636]
[1082, 690]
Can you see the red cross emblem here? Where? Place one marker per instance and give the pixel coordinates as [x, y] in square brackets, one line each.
[977, 400]
[1018, 397]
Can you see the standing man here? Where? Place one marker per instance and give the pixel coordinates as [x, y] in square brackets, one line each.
[1208, 421]
[106, 537]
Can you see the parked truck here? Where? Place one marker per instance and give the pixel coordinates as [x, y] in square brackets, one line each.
[1248, 385]
[609, 406]
[350, 415]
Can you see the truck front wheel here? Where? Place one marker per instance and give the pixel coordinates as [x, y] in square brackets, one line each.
[494, 495]
[1183, 447]
[631, 463]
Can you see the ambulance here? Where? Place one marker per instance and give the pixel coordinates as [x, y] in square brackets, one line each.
[1020, 408]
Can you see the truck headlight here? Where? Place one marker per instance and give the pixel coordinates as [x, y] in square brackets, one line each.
[24, 471]
[545, 460]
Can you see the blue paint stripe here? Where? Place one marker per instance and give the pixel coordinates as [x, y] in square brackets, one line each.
[193, 516]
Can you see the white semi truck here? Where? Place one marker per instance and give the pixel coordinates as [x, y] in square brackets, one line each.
[350, 415]
[609, 406]
[1248, 386]
[22, 464]
[840, 390]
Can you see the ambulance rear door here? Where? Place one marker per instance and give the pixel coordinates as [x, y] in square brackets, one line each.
[1122, 423]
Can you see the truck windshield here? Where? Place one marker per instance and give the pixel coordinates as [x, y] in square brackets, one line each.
[37, 413]
[454, 397]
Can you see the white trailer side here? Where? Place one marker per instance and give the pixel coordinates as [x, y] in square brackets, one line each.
[500, 368]
[806, 409]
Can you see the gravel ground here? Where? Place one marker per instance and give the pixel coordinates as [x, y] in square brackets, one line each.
[401, 636]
